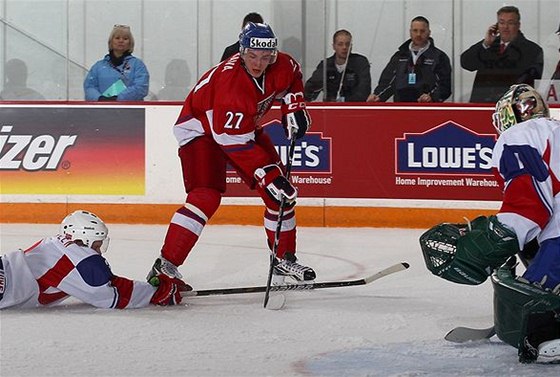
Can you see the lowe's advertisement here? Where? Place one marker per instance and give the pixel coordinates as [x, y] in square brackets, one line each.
[392, 152]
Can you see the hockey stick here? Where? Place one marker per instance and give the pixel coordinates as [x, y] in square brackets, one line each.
[300, 287]
[279, 223]
[467, 334]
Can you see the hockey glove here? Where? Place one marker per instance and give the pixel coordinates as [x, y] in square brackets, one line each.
[271, 179]
[295, 119]
[168, 291]
[468, 254]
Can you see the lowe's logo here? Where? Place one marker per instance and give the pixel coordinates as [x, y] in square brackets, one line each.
[448, 148]
[312, 153]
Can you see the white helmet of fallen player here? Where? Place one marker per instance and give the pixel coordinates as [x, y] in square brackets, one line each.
[519, 103]
[86, 227]
[258, 36]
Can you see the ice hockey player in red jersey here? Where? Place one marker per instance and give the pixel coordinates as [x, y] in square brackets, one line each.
[70, 264]
[526, 162]
[219, 124]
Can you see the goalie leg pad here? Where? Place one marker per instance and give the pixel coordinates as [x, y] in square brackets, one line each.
[272, 183]
[524, 314]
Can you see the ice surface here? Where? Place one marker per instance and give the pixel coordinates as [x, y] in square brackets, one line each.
[391, 327]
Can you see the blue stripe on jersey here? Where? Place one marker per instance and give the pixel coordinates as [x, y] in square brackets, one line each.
[94, 270]
[517, 160]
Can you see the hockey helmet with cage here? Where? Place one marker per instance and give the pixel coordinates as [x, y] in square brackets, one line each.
[257, 36]
[519, 103]
[86, 227]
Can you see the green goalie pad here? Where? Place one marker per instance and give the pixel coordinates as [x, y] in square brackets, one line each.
[525, 315]
[468, 253]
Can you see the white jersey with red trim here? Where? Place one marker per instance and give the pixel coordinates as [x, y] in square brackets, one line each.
[527, 160]
[54, 269]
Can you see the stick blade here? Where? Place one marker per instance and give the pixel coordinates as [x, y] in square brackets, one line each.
[466, 334]
[276, 302]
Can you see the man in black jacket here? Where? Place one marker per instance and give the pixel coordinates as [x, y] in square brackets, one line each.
[348, 74]
[417, 72]
[503, 58]
[234, 48]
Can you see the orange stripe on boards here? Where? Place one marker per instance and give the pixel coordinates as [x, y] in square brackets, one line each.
[389, 217]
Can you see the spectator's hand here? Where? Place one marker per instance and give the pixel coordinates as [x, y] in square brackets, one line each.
[426, 97]
[491, 35]
[373, 98]
[104, 99]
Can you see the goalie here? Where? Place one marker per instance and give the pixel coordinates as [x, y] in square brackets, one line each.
[526, 162]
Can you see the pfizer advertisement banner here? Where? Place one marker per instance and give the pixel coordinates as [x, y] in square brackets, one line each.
[72, 150]
[392, 152]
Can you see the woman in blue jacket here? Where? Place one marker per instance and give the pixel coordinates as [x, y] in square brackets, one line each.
[119, 76]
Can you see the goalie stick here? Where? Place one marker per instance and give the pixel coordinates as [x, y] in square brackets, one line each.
[300, 287]
[467, 334]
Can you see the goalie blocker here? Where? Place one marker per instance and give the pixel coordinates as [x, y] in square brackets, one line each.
[525, 315]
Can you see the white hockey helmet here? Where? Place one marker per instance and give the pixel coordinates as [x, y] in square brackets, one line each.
[519, 103]
[86, 227]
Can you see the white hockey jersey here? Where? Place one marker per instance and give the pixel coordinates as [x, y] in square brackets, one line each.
[54, 269]
[527, 159]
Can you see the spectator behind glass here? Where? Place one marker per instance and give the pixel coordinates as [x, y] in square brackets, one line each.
[234, 48]
[119, 76]
[348, 74]
[417, 72]
[504, 57]
[177, 81]
[556, 74]
[16, 88]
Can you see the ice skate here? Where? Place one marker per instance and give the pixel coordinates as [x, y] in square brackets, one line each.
[165, 267]
[288, 267]
[549, 352]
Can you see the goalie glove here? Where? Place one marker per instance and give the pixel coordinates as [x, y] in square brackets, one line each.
[468, 253]
[295, 119]
[168, 291]
[272, 180]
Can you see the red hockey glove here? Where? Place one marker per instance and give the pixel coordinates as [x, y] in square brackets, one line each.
[295, 119]
[271, 179]
[168, 291]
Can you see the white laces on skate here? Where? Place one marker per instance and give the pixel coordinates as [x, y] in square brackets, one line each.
[163, 266]
[294, 270]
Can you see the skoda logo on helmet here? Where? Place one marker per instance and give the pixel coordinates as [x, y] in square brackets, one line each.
[263, 43]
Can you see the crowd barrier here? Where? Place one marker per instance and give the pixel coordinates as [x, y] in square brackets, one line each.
[386, 165]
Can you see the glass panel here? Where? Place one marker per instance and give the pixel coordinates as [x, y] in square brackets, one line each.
[178, 40]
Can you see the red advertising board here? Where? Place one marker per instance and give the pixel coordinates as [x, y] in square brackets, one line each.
[392, 152]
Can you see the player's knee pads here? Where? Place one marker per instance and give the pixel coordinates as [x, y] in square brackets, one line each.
[272, 182]
[523, 312]
[205, 199]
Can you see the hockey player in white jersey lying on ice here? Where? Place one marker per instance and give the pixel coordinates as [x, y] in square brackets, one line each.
[526, 162]
[70, 264]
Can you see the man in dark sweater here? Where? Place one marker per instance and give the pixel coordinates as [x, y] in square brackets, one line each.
[503, 58]
[348, 77]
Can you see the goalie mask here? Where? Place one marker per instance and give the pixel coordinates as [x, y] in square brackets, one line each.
[520, 103]
[256, 36]
[86, 227]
